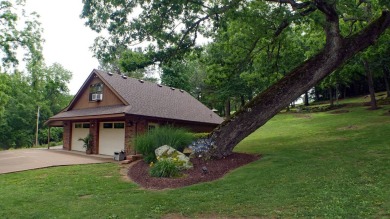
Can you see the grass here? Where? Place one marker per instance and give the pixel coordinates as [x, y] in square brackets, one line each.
[314, 165]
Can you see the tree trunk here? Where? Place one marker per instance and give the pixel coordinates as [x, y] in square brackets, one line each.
[317, 95]
[386, 78]
[306, 98]
[337, 94]
[264, 106]
[242, 101]
[345, 92]
[331, 100]
[227, 109]
[370, 82]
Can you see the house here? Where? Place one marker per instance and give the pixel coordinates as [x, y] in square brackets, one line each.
[115, 108]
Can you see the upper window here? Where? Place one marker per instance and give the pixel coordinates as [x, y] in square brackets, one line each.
[96, 92]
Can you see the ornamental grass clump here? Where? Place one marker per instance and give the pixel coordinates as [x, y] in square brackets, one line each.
[164, 168]
[147, 143]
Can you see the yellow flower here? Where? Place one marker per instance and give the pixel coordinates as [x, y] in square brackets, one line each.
[158, 158]
[151, 164]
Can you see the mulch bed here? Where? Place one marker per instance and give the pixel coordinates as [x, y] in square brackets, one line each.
[139, 172]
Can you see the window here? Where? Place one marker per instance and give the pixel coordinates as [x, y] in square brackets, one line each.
[119, 125]
[82, 125]
[107, 125]
[115, 125]
[96, 92]
[152, 126]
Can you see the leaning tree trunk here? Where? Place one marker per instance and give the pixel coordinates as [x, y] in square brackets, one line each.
[264, 106]
[370, 83]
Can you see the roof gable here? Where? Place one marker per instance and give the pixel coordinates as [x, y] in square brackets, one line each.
[81, 99]
[155, 100]
[141, 98]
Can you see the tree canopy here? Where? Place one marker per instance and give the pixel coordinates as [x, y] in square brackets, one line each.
[38, 86]
[18, 30]
[294, 43]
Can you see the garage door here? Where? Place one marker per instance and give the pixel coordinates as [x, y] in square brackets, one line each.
[111, 137]
[79, 130]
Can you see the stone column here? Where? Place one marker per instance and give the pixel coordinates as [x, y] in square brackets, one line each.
[67, 135]
[129, 136]
[94, 131]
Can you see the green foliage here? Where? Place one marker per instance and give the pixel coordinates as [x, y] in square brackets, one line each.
[18, 31]
[43, 87]
[56, 134]
[131, 61]
[87, 141]
[201, 135]
[317, 108]
[174, 157]
[147, 143]
[164, 168]
[251, 44]
[321, 166]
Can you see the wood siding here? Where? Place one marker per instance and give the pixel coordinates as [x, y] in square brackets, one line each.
[109, 98]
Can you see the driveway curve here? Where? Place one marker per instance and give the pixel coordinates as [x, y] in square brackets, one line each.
[28, 159]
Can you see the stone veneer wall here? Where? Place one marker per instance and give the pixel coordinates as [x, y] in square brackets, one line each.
[94, 131]
[129, 136]
[67, 136]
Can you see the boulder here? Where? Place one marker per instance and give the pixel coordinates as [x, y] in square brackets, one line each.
[167, 152]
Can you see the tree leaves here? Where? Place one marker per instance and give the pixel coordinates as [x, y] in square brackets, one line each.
[14, 35]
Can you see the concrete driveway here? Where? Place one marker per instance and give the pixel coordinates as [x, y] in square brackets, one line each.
[28, 159]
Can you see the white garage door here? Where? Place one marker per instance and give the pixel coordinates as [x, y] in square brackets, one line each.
[79, 130]
[111, 137]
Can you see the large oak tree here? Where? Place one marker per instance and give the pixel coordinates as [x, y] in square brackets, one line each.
[172, 28]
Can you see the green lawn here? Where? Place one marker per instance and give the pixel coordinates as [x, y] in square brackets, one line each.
[314, 165]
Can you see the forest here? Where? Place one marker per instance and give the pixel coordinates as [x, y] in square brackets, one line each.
[234, 56]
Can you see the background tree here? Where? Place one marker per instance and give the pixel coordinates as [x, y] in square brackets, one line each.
[15, 36]
[21, 93]
[18, 118]
[174, 26]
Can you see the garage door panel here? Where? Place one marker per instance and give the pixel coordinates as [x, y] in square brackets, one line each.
[79, 130]
[111, 137]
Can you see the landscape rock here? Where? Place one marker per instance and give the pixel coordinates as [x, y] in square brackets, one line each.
[180, 159]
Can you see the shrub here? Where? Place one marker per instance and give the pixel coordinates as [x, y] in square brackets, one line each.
[201, 135]
[177, 138]
[164, 168]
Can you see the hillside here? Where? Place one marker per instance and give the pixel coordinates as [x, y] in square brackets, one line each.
[331, 164]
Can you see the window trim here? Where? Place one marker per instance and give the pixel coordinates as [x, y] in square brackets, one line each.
[114, 125]
[81, 125]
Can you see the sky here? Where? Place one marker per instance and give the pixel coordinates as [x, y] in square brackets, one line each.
[67, 39]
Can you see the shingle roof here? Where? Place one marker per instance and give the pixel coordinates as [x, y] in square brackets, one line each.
[105, 110]
[149, 99]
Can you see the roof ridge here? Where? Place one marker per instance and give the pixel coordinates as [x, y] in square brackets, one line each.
[137, 79]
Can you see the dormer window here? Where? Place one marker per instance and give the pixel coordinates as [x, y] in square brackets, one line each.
[96, 92]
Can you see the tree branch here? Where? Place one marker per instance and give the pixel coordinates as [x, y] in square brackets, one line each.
[293, 3]
[264, 106]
